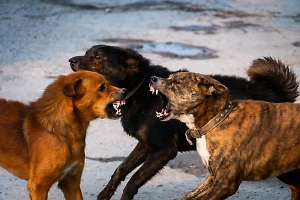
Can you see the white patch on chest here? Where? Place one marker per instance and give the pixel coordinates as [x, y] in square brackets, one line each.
[202, 151]
[189, 120]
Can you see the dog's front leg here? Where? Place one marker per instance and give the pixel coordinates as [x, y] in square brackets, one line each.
[198, 190]
[133, 160]
[225, 183]
[38, 187]
[155, 161]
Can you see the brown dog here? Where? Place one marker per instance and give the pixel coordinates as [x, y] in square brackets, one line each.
[44, 142]
[238, 140]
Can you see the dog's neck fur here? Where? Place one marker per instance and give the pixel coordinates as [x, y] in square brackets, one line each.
[49, 111]
[205, 113]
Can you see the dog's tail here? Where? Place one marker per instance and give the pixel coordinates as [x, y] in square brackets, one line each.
[277, 76]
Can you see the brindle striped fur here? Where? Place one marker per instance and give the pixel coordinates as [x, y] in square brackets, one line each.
[258, 140]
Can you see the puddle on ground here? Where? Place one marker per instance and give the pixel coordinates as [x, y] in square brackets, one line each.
[228, 14]
[107, 160]
[211, 29]
[171, 49]
[196, 28]
[239, 24]
[122, 6]
[296, 44]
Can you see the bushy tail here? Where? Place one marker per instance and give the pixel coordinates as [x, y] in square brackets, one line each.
[279, 77]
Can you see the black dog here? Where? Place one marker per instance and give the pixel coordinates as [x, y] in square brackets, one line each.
[159, 142]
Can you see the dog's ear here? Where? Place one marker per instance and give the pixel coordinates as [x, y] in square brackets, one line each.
[132, 63]
[73, 88]
[133, 58]
[210, 86]
[215, 89]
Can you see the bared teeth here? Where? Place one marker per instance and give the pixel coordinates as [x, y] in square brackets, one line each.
[158, 114]
[118, 112]
[117, 105]
[163, 113]
[152, 90]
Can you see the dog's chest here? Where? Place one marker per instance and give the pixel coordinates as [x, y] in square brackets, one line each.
[189, 120]
[202, 150]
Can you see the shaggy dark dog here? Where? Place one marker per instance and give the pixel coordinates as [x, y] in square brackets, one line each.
[159, 142]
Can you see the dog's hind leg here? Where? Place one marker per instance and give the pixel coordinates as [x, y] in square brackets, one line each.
[292, 179]
[155, 161]
[133, 160]
[70, 185]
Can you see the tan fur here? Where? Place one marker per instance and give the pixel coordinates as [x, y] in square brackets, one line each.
[258, 140]
[44, 142]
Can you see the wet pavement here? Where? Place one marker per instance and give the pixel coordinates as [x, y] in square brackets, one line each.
[37, 38]
[73, 25]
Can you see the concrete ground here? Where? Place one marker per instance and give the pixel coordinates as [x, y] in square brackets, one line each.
[39, 36]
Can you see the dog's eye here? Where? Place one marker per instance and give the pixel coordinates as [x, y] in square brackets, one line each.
[176, 82]
[97, 57]
[102, 88]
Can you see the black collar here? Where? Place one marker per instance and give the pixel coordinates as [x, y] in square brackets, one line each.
[130, 93]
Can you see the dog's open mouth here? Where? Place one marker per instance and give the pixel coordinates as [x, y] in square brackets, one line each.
[117, 106]
[165, 112]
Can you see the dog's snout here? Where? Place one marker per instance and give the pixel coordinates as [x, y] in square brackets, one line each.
[73, 60]
[124, 91]
[153, 79]
[74, 63]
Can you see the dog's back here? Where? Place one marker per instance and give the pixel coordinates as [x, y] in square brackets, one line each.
[267, 134]
[13, 148]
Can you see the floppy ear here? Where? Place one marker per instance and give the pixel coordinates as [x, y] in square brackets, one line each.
[133, 58]
[132, 63]
[210, 86]
[74, 88]
[215, 89]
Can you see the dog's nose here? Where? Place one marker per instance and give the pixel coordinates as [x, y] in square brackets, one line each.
[124, 91]
[153, 79]
[73, 60]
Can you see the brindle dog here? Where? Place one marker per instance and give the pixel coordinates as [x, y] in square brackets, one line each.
[159, 142]
[237, 139]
